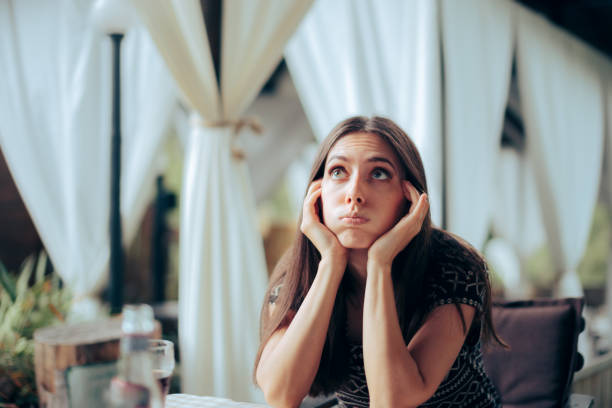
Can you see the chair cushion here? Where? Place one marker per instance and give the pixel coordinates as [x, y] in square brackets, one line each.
[538, 369]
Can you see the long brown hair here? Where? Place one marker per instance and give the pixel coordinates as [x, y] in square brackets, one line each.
[297, 268]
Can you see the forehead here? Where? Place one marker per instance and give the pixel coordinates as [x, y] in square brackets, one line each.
[355, 145]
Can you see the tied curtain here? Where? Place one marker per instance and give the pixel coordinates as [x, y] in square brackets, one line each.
[561, 95]
[222, 272]
[369, 58]
[55, 132]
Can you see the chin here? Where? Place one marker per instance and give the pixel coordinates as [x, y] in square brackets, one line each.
[355, 240]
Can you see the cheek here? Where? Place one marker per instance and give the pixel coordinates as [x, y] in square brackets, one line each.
[332, 198]
[325, 202]
[396, 209]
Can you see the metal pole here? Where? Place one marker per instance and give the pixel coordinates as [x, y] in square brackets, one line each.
[444, 141]
[116, 244]
[164, 201]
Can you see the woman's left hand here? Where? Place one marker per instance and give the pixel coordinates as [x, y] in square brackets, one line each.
[387, 246]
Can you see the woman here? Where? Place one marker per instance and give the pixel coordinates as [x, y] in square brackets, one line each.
[372, 302]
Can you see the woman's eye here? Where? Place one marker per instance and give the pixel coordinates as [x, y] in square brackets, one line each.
[380, 174]
[336, 172]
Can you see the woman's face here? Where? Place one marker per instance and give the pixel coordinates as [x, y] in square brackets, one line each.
[361, 191]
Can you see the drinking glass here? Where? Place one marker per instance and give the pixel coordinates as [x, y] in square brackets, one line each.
[162, 357]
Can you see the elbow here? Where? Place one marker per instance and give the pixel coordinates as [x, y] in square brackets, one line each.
[278, 394]
[281, 399]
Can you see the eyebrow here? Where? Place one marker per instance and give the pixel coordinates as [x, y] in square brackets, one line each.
[371, 159]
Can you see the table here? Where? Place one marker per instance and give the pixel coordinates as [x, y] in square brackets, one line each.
[194, 401]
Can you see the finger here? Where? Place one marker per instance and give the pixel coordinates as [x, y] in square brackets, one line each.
[315, 184]
[422, 207]
[413, 196]
[311, 199]
[312, 188]
[418, 210]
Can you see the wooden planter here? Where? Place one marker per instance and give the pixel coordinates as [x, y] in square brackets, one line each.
[61, 347]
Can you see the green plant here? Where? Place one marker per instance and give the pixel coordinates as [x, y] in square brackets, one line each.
[25, 307]
[540, 270]
[593, 267]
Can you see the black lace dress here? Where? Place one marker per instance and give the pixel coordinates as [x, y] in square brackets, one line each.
[452, 279]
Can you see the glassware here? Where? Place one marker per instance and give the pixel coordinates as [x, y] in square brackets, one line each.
[162, 358]
[135, 385]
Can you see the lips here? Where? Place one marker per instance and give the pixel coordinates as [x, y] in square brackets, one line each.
[354, 219]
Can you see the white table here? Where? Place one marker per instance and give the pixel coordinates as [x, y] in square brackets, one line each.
[194, 401]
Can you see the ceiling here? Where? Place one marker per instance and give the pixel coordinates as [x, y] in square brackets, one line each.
[590, 20]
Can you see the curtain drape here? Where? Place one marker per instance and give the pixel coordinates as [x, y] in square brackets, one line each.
[147, 113]
[222, 267]
[478, 45]
[562, 100]
[502, 258]
[516, 215]
[516, 210]
[286, 133]
[606, 188]
[55, 131]
[363, 57]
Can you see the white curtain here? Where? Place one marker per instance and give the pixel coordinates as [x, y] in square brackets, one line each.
[366, 57]
[606, 188]
[147, 112]
[478, 45]
[562, 110]
[285, 135]
[55, 131]
[222, 265]
[516, 214]
[503, 259]
[516, 211]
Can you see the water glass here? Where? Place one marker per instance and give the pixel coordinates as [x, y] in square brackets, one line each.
[162, 357]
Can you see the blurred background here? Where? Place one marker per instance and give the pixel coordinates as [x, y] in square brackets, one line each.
[158, 152]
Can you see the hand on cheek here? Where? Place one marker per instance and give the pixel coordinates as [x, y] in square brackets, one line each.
[312, 225]
[387, 246]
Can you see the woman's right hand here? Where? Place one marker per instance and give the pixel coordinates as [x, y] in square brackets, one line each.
[321, 237]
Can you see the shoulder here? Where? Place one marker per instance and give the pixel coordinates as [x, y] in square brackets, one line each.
[457, 272]
[447, 248]
[451, 253]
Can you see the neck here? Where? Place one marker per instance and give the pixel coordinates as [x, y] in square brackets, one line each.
[357, 264]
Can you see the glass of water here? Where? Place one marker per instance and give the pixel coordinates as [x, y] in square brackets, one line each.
[162, 358]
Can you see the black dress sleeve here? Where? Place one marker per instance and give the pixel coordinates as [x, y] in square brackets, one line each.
[457, 275]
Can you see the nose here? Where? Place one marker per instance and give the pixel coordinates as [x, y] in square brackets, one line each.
[354, 194]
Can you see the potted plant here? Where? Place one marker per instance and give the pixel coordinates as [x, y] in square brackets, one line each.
[27, 302]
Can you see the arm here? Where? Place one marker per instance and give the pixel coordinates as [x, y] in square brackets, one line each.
[290, 359]
[400, 375]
